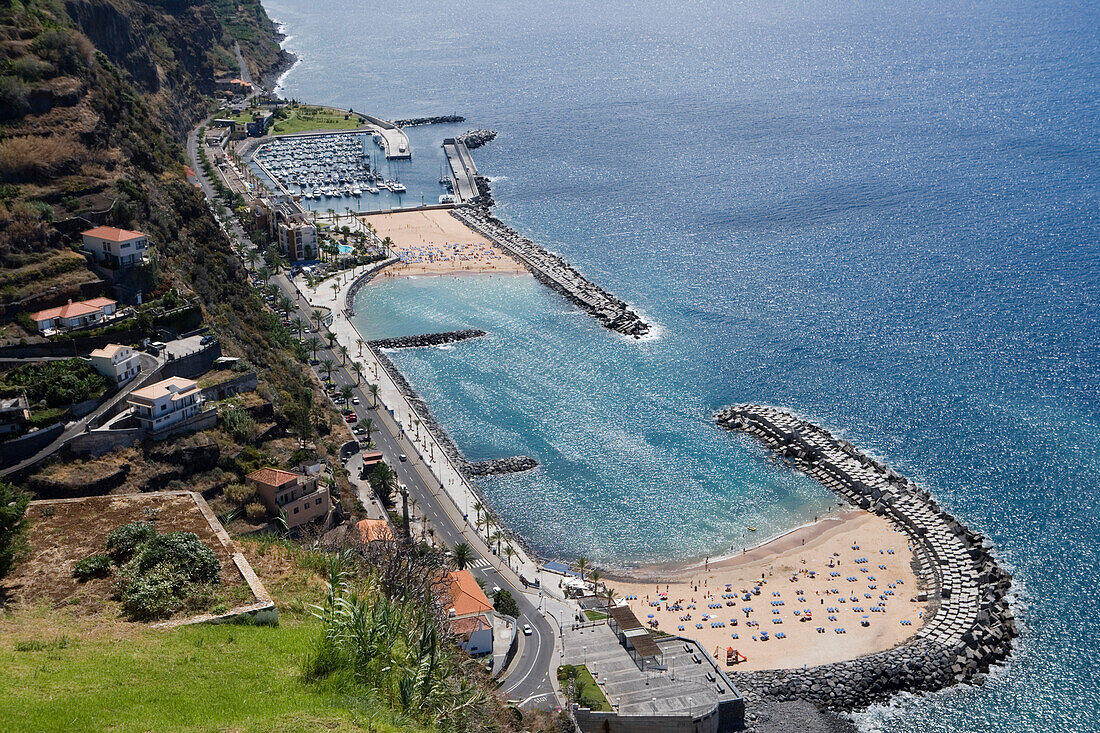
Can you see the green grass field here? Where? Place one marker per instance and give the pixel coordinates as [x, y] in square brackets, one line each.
[197, 678]
[588, 693]
[306, 118]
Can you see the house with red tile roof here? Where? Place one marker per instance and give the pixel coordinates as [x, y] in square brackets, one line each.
[115, 247]
[74, 315]
[469, 612]
[300, 498]
[375, 530]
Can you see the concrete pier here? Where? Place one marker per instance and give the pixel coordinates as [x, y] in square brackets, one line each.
[969, 624]
[463, 170]
[555, 272]
[395, 141]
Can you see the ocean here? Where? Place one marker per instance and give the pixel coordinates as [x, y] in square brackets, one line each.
[882, 215]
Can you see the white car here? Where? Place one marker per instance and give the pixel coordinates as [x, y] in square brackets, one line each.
[355, 400]
[527, 629]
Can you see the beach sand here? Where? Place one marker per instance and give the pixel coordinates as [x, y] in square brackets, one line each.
[435, 243]
[781, 569]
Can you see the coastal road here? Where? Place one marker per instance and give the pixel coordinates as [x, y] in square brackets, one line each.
[527, 679]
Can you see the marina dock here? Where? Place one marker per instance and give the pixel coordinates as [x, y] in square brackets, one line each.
[394, 140]
[463, 170]
[555, 272]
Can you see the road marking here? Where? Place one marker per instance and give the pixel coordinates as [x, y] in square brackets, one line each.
[534, 665]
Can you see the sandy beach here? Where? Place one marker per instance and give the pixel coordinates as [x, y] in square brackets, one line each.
[833, 572]
[435, 243]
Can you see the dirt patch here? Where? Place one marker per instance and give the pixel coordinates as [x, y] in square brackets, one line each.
[65, 532]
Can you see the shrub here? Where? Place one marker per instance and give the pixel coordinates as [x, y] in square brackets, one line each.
[13, 527]
[123, 542]
[96, 566]
[255, 510]
[34, 158]
[239, 424]
[180, 554]
[240, 494]
[13, 97]
[152, 596]
[504, 603]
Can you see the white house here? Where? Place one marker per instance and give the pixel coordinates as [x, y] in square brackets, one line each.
[298, 240]
[75, 315]
[469, 613]
[166, 403]
[118, 247]
[116, 362]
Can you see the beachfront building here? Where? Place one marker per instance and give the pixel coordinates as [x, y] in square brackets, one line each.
[298, 240]
[75, 315]
[116, 247]
[469, 613]
[300, 497]
[165, 404]
[118, 363]
[15, 413]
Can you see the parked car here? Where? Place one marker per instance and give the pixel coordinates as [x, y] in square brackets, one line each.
[159, 345]
[207, 339]
[355, 400]
[351, 418]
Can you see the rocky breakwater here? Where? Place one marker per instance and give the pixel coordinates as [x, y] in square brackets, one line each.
[427, 339]
[969, 625]
[438, 120]
[474, 139]
[497, 466]
[555, 273]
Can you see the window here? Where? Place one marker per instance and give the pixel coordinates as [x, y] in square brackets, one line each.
[295, 510]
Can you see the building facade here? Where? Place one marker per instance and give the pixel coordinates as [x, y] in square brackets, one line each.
[166, 403]
[301, 498]
[298, 240]
[75, 315]
[116, 362]
[14, 413]
[469, 613]
[116, 247]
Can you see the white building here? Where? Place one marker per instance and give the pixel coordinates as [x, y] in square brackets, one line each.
[117, 247]
[166, 403]
[75, 315]
[117, 362]
[298, 240]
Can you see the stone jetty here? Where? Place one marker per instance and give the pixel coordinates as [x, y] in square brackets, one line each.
[427, 339]
[438, 120]
[555, 272]
[442, 437]
[968, 626]
[476, 138]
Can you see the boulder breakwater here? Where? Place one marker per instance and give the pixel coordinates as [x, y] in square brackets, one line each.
[968, 626]
[555, 273]
[427, 339]
[442, 437]
[476, 138]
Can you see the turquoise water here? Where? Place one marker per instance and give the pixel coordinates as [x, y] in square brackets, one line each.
[881, 215]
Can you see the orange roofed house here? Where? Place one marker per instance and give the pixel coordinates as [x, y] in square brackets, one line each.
[74, 315]
[469, 613]
[116, 247]
[375, 530]
[301, 497]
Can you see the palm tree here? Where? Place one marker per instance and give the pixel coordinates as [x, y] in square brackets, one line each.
[497, 537]
[318, 317]
[416, 424]
[477, 512]
[344, 353]
[358, 372]
[594, 576]
[368, 426]
[335, 289]
[509, 552]
[328, 366]
[373, 389]
[345, 392]
[313, 344]
[331, 338]
[608, 595]
[462, 555]
[298, 325]
[582, 567]
[252, 257]
[265, 273]
[360, 343]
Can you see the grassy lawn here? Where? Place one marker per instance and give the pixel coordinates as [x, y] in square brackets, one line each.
[306, 118]
[65, 669]
[588, 693]
[594, 615]
[198, 678]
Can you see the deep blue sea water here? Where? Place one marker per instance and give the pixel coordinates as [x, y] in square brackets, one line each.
[883, 215]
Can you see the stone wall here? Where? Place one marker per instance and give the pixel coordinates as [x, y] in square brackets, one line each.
[968, 628]
[19, 449]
